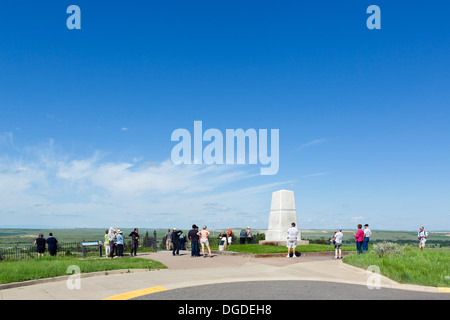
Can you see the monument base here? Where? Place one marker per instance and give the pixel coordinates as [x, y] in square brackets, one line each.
[282, 243]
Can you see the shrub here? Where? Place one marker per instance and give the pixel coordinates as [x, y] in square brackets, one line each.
[385, 248]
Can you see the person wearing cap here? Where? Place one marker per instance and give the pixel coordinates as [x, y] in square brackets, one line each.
[119, 243]
[367, 235]
[249, 235]
[338, 244]
[175, 237]
[194, 238]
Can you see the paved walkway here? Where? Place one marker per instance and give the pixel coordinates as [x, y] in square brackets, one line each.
[184, 271]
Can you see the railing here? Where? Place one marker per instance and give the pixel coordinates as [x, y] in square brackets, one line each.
[22, 251]
[10, 251]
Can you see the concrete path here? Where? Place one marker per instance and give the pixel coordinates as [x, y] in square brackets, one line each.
[184, 271]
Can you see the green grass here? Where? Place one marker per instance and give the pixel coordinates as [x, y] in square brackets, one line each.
[47, 267]
[430, 267]
[259, 249]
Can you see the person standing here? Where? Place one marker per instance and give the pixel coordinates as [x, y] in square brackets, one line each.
[359, 238]
[229, 236]
[249, 235]
[111, 238]
[175, 237]
[182, 242]
[193, 238]
[52, 244]
[367, 235]
[168, 241]
[106, 244]
[292, 240]
[134, 241]
[338, 244]
[422, 235]
[40, 245]
[242, 236]
[204, 234]
[119, 243]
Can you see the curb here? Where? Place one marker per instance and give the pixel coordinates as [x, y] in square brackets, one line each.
[61, 278]
[279, 255]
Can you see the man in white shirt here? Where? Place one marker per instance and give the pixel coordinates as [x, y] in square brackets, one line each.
[367, 235]
[338, 242]
[292, 240]
[422, 235]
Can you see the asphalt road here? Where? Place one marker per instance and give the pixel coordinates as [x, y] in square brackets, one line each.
[289, 290]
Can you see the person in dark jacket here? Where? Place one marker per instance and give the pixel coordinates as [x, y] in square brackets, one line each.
[134, 241]
[40, 245]
[242, 236]
[52, 244]
[194, 238]
[175, 237]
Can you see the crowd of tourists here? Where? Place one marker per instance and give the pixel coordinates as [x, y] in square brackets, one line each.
[176, 240]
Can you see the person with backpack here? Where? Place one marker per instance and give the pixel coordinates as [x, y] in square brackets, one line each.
[338, 244]
[422, 235]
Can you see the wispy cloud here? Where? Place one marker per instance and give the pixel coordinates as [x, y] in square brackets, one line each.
[315, 174]
[313, 142]
[316, 142]
[87, 191]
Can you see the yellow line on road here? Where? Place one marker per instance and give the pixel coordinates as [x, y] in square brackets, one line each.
[137, 293]
[444, 290]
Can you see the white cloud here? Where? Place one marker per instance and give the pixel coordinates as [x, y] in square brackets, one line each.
[44, 186]
[313, 142]
[315, 174]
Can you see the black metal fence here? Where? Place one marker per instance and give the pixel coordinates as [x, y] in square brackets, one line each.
[22, 251]
[10, 251]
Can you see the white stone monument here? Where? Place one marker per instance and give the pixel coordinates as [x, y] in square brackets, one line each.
[282, 214]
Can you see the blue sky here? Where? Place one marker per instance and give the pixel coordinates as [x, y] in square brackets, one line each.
[87, 115]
